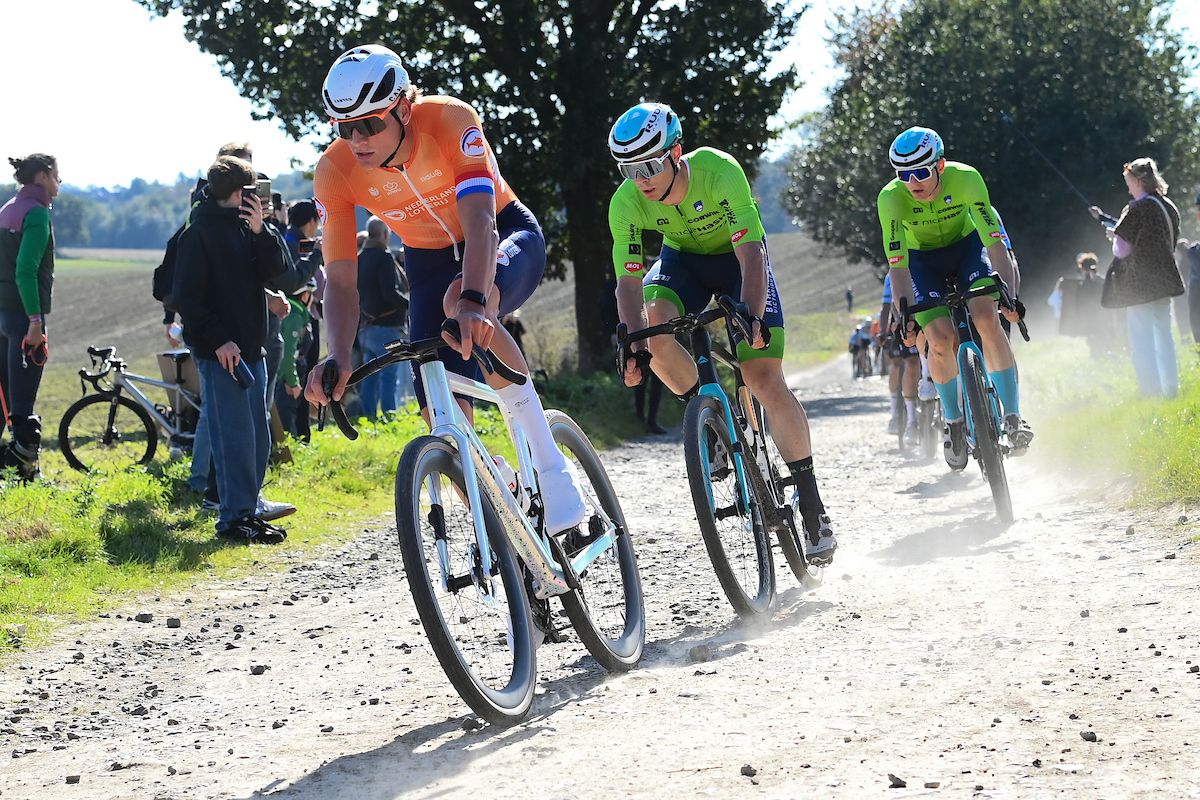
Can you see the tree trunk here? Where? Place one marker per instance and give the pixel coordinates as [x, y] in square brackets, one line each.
[590, 250]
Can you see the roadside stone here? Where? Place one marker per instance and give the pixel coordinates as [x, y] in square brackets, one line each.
[72, 779]
[749, 771]
[1194, 668]
[258, 669]
[699, 654]
[1088, 736]
[1085, 613]
[933, 784]
[144, 617]
[471, 724]
[277, 724]
[1169, 556]
[1129, 531]
[895, 782]
[326, 729]
[174, 622]
[139, 711]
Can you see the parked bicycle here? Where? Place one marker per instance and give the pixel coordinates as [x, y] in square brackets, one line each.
[117, 425]
[480, 565]
[736, 487]
[984, 421]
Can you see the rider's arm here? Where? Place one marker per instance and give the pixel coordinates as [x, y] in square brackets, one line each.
[335, 201]
[480, 241]
[1003, 264]
[744, 226]
[631, 308]
[625, 225]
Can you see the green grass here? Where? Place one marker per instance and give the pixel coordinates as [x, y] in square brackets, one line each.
[99, 263]
[1092, 421]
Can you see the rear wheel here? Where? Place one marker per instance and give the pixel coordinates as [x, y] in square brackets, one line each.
[727, 510]
[987, 434]
[478, 624]
[607, 610]
[106, 432]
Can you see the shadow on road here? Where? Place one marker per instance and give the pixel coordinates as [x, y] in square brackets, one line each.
[841, 406]
[969, 536]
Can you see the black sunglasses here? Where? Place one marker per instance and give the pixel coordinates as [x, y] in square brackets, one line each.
[367, 126]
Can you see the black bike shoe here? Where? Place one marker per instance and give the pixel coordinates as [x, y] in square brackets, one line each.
[543, 620]
[954, 445]
[252, 530]
[1019, 434]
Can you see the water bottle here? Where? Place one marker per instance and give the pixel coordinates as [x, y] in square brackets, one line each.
[513, 480]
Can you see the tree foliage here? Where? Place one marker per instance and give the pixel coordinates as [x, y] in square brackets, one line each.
[548, 77]
[1091, 83]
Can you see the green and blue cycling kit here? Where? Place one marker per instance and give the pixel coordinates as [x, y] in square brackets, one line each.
[942, 240]
[697, 260]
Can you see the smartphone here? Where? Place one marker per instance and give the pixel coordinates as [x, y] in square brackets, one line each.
[263, 188]
[306, 246]
[243, 375]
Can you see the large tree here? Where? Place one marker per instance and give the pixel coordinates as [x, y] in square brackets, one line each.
[1090, 84]
[548, 76]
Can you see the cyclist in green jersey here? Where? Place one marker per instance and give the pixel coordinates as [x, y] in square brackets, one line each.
[939, 228]
[713, 244]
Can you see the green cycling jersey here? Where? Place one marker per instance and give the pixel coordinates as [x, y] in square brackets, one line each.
[717, 213]
[960, 206]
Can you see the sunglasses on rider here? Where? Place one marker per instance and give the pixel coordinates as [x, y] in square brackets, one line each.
[367, 126]
[920, 174]
[643, 170]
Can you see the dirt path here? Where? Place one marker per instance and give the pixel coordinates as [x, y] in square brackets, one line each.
[944, 649]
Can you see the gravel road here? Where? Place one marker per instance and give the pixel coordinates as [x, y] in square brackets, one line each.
[945, 655]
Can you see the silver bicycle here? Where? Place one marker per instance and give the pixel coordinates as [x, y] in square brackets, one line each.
[117, 425]
[479, 563]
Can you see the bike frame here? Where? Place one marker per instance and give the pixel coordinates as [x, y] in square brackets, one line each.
[448, 422]
[127, 381]
[710, 386]
[967, 342]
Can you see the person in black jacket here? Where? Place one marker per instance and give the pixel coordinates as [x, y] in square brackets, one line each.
[226, 257]
[383, 305]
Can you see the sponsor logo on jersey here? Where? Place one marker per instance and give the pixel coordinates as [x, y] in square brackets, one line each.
[996, 235]
[894, 246]
[471, 143]
[918, 210]
[947, 199]
[633, 266]
[501, 258]
[321, 212]
[391, 187]
[895, 260]
[737, 237]
[662, 221]
[396, 215]
[698, 205]
[437, 173]
[635, 249]
[373, 191]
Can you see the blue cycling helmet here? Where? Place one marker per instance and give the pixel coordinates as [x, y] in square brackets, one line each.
[643, 131]
[916, 147]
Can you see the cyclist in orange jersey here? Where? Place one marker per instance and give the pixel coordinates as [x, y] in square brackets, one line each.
[472, 251]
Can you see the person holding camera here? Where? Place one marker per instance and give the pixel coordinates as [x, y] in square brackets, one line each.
[26, 281]
[226, 258]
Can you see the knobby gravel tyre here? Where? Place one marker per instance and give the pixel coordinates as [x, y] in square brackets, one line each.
[809, 576]
[82, 440]
[987, 438]
[608, 611]
[749, 551]
[502, 704]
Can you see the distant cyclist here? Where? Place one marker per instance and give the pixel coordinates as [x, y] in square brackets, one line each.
[905, 371]
[938, 228]
[471, 249]
[713, 244]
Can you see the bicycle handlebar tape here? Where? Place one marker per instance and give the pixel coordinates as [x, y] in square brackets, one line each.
[488, 361]
[329, 380]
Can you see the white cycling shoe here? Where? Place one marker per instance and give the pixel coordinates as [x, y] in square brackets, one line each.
[562, 496]
[926, 391]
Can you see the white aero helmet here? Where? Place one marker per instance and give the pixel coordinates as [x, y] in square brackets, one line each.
[644, 131]
[364, 81]
[916, 147]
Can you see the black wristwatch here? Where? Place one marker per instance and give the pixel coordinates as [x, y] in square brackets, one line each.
[473, 296]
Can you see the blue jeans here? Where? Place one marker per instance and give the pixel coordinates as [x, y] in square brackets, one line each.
[383, 390]
[1152, 347]
[201, 447]
[20, 383]
[241, 438]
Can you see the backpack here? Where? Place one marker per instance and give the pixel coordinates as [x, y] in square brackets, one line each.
[164, 273]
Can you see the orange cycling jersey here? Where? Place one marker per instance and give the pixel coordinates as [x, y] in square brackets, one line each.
[450, 159]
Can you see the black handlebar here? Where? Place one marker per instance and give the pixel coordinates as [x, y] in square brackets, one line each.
[956, 299]
[401, 350]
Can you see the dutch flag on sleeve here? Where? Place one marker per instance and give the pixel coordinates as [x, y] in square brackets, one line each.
[473, 182]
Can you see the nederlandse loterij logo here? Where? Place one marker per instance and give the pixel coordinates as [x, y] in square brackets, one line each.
[471, 143]
[321, 212]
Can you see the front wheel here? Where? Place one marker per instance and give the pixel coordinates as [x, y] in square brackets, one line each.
[607, 609]
[987, 435]
[727, 510]
[106, 431]
[477, 620]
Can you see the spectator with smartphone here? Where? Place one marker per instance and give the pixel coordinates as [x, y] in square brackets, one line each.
[226, 258]
[26, 281]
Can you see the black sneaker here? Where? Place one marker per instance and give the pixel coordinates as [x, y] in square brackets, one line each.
[252, 530]
[954, 445]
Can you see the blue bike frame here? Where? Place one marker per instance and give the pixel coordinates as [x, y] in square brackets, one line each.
[966, 336]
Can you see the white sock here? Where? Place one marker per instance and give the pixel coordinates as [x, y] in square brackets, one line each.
[925, 367]
[892, 401]
[523, 410]
[911, 407]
